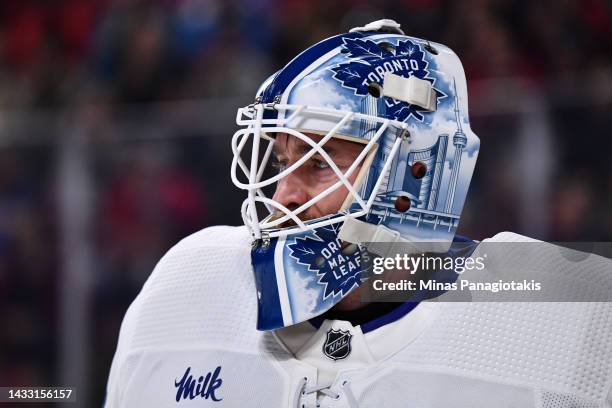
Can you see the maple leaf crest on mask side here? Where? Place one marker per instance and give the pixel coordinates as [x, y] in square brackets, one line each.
[310, 251]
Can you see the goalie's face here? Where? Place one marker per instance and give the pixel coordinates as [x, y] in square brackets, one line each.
[315, 175]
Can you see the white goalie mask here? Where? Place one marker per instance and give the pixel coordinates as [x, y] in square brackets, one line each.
[405, 100]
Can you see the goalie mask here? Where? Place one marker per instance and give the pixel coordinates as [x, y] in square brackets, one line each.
[404, 100]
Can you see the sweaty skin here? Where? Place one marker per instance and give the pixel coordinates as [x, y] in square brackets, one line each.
[313, 177]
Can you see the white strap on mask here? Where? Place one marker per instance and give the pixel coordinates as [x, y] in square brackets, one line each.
[378, 239]
[413, 90]
[384, 241]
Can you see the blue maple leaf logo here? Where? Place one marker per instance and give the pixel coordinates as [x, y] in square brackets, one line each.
[321, 253]
[368, 62]
[364, 48]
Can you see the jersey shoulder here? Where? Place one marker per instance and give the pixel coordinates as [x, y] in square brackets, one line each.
[216, 236]
[195, 314]
[508, 236]
[545, 336]
[199, 287]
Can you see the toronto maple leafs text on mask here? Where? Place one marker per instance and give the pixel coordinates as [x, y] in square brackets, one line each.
[368, 63]
[423, 262]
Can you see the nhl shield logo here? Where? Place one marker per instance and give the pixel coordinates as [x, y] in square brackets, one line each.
[337, 344]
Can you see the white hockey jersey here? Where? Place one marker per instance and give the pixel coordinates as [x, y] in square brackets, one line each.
[189, 340]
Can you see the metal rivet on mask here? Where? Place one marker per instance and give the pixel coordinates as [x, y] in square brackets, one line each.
[265, 243]
[419, 169]
[375, 89]
[404, 134]
[319, 261]
[402, 204]
[386, 46]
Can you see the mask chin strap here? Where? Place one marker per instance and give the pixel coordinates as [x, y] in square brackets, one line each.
[384, 241]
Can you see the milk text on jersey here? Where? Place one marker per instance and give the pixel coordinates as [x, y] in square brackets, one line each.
[203, 387]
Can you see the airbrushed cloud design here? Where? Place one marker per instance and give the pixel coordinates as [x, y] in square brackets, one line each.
[310, 91]
[368, 63]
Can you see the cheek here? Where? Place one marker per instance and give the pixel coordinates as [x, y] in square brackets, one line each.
[332, 202]
[329, 204]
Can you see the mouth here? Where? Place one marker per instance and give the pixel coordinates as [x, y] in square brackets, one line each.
[289, 223]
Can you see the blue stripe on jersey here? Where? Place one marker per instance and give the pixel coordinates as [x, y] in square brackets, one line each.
[284, 77]
[390, 317]
[269, 312]
[462, 246]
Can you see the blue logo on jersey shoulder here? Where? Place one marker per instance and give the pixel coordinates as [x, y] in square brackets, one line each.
[203, 387]
[369, 62]
[321, 252]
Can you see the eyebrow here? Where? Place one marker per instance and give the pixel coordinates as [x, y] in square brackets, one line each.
[304, 148]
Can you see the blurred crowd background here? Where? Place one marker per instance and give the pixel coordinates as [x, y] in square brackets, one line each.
[116, 116]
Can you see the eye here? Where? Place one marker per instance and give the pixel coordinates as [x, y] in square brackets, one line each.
[320, 164]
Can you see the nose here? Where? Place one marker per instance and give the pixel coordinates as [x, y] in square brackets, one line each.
[290, 191]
